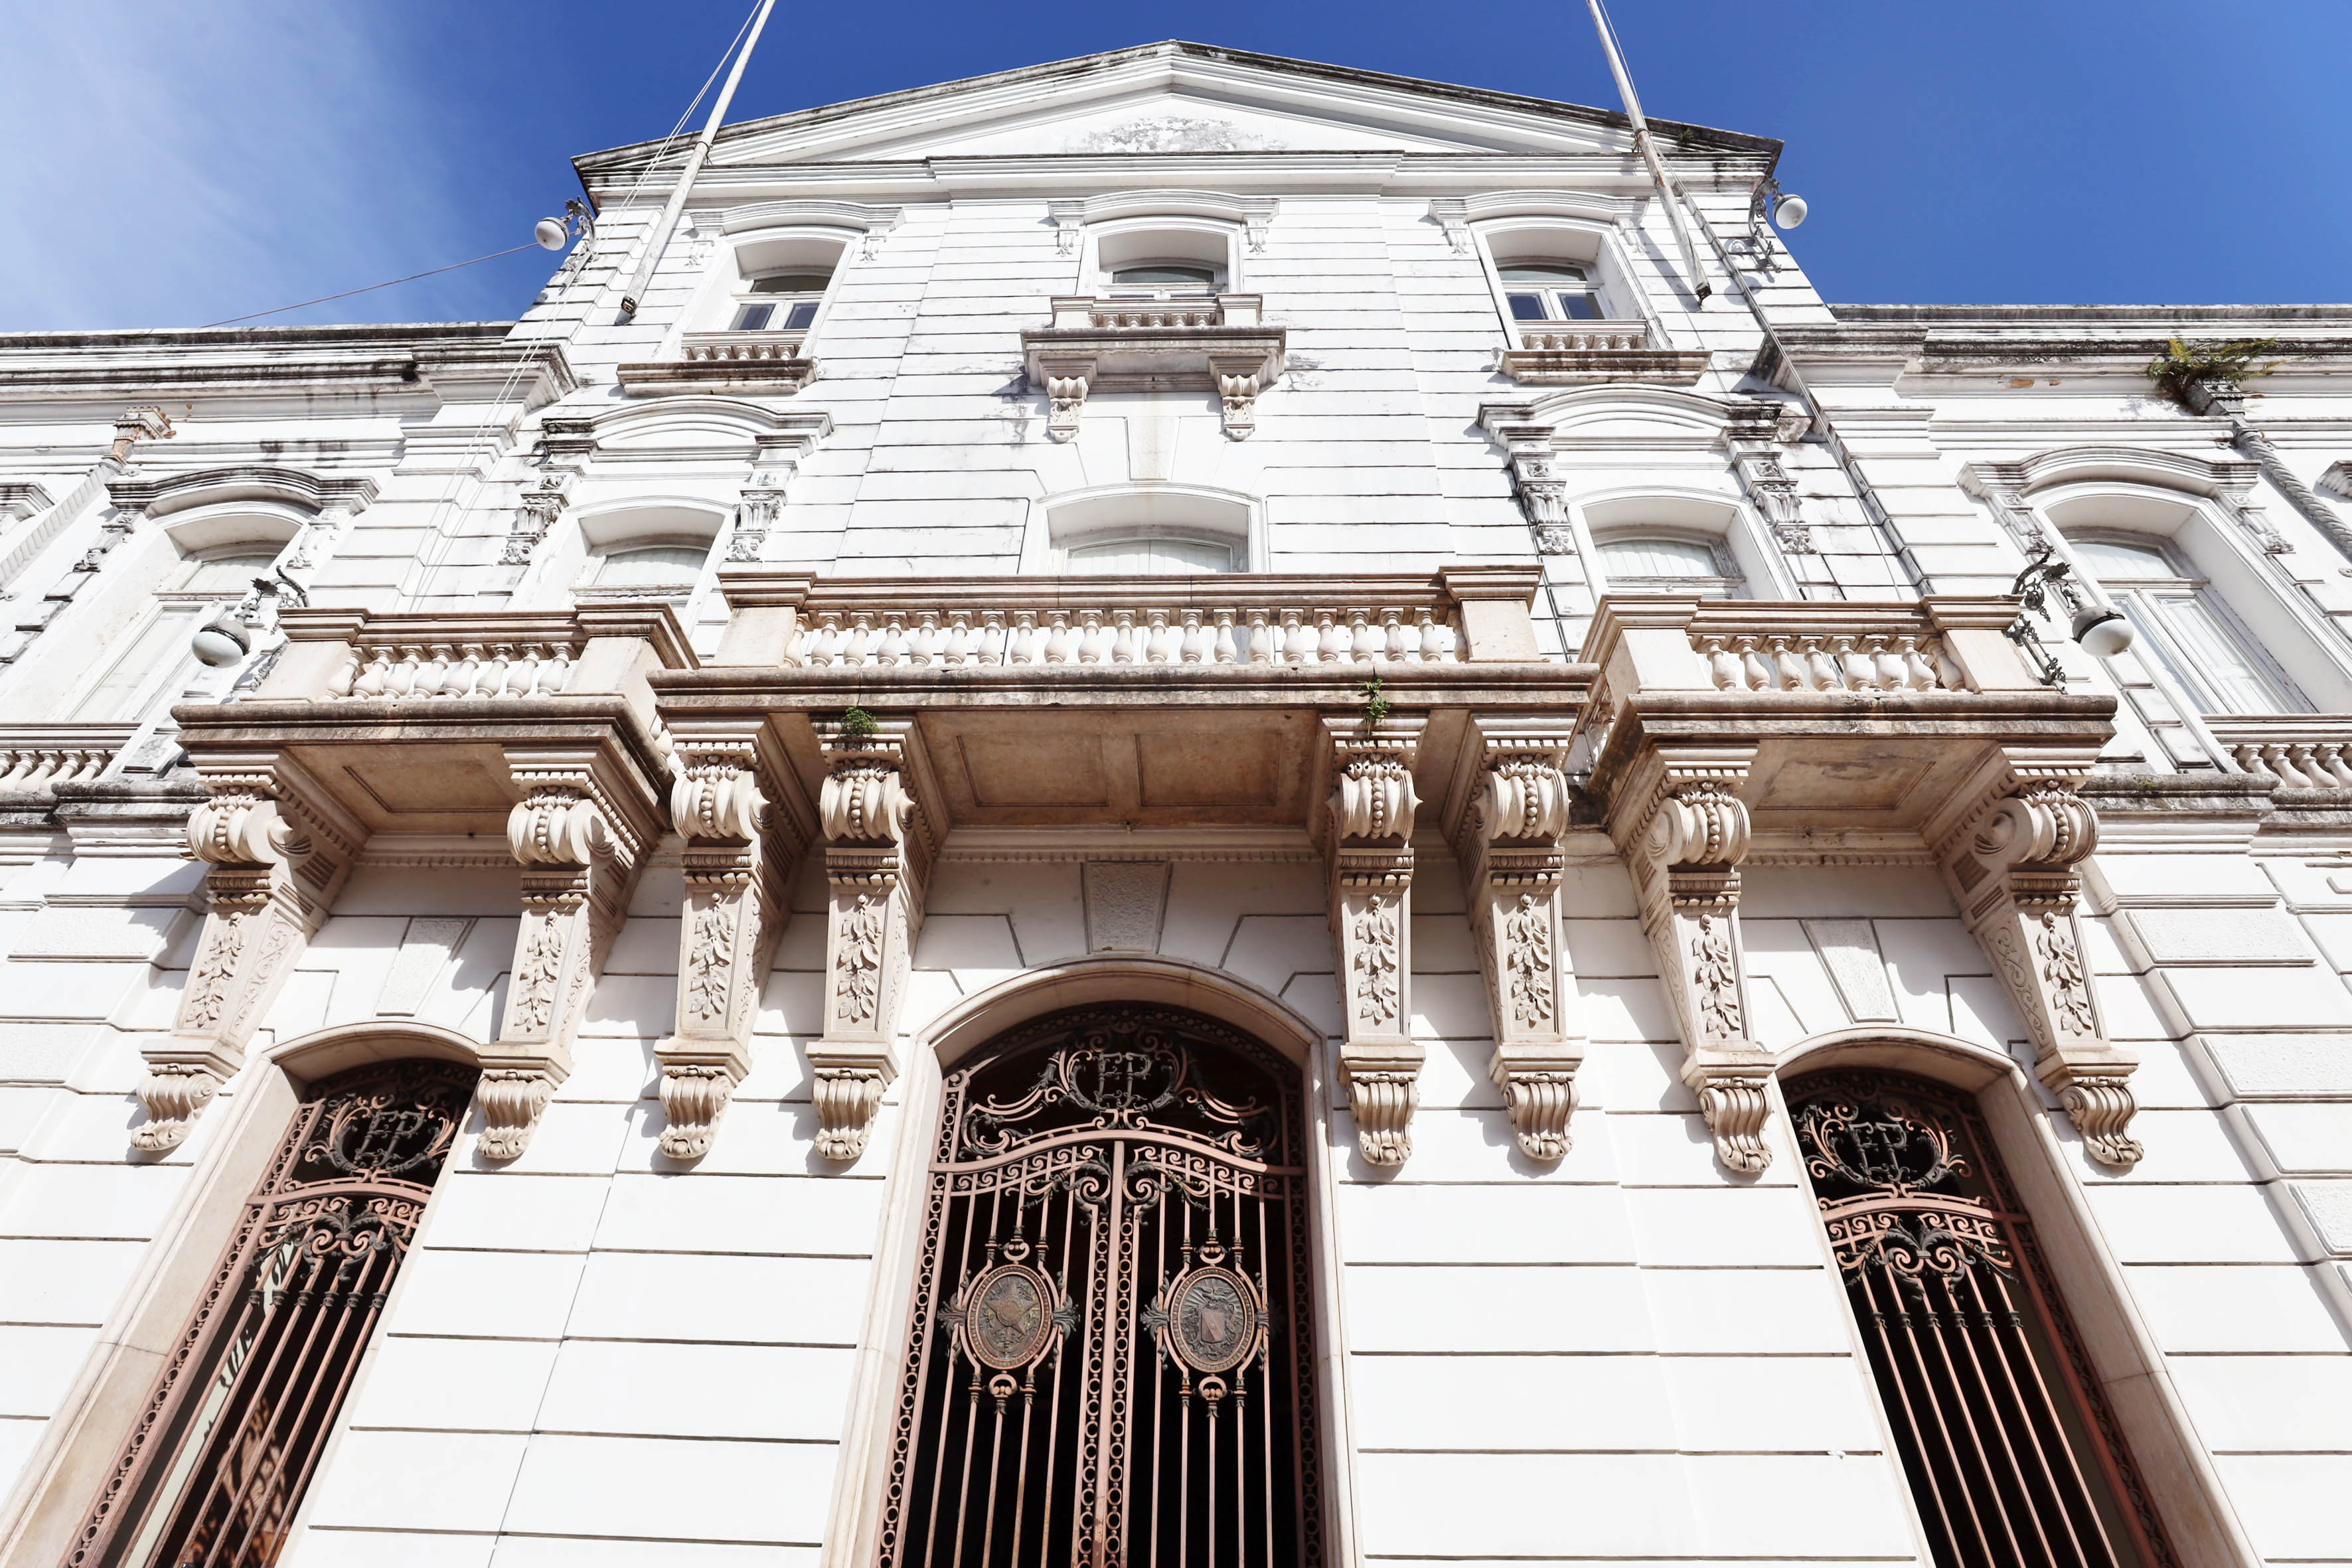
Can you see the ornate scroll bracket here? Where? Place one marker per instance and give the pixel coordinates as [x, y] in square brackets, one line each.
[773, 465]
[877, 858]
[1369, 822]
[1684, 844]
[581, 850]
[277, 851]
[2011, 856]
[738, 807]
[566, 445]
[1542, 493]
[1238, 378]
[1509, 810]
[1751, 442]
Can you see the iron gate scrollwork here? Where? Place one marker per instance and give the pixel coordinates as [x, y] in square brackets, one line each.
[1110, 1357]
[225, 1446]
[2013, 1456]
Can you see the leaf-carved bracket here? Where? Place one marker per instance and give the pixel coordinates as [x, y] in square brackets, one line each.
[1368, 833]
[739, 809]
[1683, 831]
[879, 846]
[1510, 806]
[2010, 849]
[277, 849]
[581, 831]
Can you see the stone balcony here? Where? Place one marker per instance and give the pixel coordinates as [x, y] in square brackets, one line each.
[2301, 751]
[1156, 702]
[1584, 354]
[1856, 719]
[35, 759]
[1214, 344]
[726, 361]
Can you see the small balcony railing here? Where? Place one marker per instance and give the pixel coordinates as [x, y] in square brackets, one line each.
[37, 758]
[2301, 751]
[753, 348]
[1578, 353]
[1584, 337]
[338, 656]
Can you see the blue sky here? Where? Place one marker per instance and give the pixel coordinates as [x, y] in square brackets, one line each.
[167, 164]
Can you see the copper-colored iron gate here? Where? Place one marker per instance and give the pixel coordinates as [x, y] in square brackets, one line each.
[217, 1467]
[2013, 1457]
[1110, 1358]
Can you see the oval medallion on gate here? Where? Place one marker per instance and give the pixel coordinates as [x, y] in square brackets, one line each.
[1008, 1317]
[1212, 1321]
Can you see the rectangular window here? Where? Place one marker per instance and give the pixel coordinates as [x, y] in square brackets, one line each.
[754, 318]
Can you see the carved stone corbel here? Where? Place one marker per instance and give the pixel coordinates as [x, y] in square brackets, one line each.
[1238, 377]
[1066, 393]
[1451, 214]
[1369, 828]
[1751, 439]
[581, 851]
[277, 851]
[775, 460]
[1512, 807]
[876, 862]
[2010, 855]
[565, 446]
[738, 807]
[1542, 493]
[1684, 845]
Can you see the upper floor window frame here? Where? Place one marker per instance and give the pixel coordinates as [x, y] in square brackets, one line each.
[786, 254]
[1748, 566]
[2174, 610]
[1172, 241]
[1596, 248]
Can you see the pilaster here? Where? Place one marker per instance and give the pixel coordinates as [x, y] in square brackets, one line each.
[1683, 831]
[1510, 809]
[2011, 848]
[582, 838]
[879, 844]
[1368, 841]
[745, 824]
[276, 850]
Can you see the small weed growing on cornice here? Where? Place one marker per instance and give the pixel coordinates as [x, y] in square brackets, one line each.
[857, 722]
[1376, 707]
[2182, 364]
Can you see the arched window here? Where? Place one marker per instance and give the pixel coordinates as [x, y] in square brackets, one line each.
[1150, 555]
[152, 654]
[645, 572]
[1161, 258]
[1111, 1358]
[779, 301]
[1551, 292]
[2014, 1458]
[2184, 626]
[1670, 564]
[215, 1469]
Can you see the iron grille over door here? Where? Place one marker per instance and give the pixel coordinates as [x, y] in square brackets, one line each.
[217, 1467]
[2013, 1457]
[1110, 1356]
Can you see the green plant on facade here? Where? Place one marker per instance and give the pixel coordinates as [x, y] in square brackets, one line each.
[1376, 707]
[857, 722]
[2183, 364]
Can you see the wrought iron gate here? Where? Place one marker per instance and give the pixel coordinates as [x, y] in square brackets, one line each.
[215, 1469]
[2013, 1456]
[1109, 1359]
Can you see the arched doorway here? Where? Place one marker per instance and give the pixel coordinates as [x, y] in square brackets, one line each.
[1109, 1356]
[2014, 1457]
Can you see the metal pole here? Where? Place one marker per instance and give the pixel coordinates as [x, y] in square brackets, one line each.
[1646, 144]
[677, 196]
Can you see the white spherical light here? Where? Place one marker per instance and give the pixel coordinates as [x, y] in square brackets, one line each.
[550, 233]
[1791, 212]
[2102, 633]
[221, 641]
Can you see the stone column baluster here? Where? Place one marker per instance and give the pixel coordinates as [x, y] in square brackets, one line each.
[1513, 809]
[1369, 825]
[580, 853]
[1684, 845]
[738, 807]
[876, 862]
[277, 849]
[2011, 849]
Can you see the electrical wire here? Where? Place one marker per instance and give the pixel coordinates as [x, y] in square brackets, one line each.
[371, 288]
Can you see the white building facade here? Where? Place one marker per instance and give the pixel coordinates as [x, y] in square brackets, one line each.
[1179, 817]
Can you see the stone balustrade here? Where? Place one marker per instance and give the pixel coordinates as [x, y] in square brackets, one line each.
[1871, 658]
[1132, 624]
[707, 348]
[37, 758]
[1584, 337]
[1771, 649]
[1081, 311]
[339, 656]
[2301, 751]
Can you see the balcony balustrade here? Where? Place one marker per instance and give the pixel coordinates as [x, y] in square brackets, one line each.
[37, 758]
[1214, 344]
[2301, 751]
[1578, 353]
[717, 361]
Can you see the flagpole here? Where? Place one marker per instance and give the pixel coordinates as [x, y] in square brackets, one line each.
[686, 177]
[1647, 147]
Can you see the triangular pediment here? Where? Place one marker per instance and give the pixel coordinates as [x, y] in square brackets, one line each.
[1178, 97]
